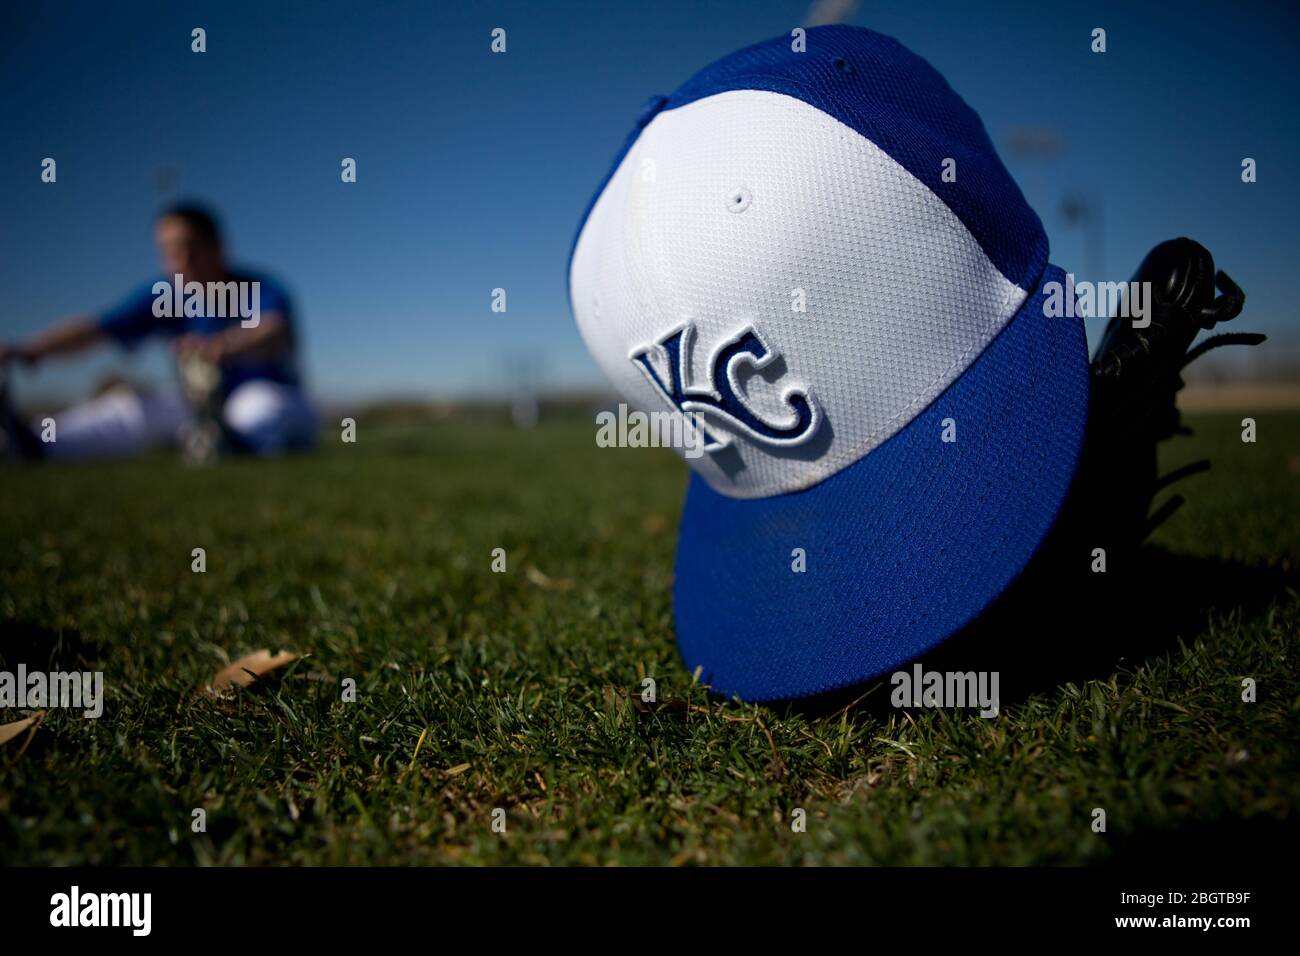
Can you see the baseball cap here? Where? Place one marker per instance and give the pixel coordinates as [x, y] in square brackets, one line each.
[817, 251]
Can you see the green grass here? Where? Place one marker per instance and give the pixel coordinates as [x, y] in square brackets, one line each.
[520, 690]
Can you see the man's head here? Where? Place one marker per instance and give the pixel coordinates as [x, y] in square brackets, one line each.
[189, 243]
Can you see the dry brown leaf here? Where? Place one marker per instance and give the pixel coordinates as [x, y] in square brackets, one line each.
[9, 731]
[546, 582]
[248, 669]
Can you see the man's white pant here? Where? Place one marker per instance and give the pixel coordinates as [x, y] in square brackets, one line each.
[267, 417]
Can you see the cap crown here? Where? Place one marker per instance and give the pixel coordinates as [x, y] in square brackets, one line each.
[776, 249]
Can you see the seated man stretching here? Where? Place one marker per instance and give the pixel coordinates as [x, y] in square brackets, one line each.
[233, 336]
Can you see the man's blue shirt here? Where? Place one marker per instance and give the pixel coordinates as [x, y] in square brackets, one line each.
[133, 319]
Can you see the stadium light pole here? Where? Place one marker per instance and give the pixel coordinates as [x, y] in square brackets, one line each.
[1085, 211]
[822, 12]
[1038, 146]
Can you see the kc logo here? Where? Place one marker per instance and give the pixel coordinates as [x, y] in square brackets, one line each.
[722, 398]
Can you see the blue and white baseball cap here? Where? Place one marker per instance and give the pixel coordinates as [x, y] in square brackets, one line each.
[819, 252]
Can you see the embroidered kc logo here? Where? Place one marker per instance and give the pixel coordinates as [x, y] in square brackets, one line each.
[722, 399]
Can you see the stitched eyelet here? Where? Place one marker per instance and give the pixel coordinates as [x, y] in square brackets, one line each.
[738, 199]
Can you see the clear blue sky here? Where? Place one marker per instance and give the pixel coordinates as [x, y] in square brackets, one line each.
[473, 168]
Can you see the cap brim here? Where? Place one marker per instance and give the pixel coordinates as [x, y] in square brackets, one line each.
[901, 549]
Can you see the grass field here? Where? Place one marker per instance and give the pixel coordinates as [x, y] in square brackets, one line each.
[520, 690]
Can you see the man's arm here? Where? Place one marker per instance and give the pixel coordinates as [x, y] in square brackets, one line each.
[269, 339]
[63, 338]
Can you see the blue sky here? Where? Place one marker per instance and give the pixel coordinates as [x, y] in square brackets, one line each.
[474, 168]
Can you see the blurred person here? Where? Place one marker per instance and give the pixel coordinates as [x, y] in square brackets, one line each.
[240, 385]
